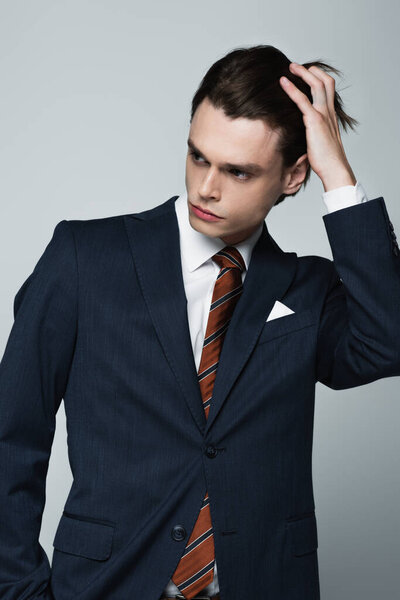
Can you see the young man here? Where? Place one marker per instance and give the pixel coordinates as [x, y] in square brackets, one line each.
[186, 345]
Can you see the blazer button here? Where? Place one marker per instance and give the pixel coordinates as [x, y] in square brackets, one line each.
[211, 451]
[178, 533]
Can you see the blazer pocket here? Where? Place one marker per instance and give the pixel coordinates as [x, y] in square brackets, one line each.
[82, 537]
[303, 535]
[283, 325]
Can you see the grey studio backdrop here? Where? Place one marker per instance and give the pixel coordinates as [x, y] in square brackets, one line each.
[95, 100]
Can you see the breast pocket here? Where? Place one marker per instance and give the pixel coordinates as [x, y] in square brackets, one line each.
[287, 324]
[81, 548]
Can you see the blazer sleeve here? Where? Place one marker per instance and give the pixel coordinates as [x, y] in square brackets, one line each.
[33, 377]
[359, 330]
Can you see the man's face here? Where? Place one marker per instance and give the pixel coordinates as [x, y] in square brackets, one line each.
[220, 179]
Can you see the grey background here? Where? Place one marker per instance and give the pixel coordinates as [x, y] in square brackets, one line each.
[95, 100]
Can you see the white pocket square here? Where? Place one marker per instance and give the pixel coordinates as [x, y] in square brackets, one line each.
[279, 310]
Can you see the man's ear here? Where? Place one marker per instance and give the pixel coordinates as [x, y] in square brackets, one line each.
[295, 175]
[304, 157]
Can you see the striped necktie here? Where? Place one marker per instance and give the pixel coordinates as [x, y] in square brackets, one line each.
[195, 569]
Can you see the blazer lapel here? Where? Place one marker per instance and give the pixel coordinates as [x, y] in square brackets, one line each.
[154, 241]
[269, 275]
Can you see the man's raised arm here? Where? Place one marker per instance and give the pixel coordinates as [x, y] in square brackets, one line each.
[359, 333]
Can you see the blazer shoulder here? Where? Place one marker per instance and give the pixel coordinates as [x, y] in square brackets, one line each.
[55, 271]
[93, 233]
[316, 271]
[114, 223]
[316, 264]
[95, 225]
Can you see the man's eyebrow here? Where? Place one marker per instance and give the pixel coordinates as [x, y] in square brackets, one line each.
[253, 167]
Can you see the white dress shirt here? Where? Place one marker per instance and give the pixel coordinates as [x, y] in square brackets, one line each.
[200, 272]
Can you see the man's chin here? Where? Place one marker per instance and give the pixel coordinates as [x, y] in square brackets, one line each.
[203, 227]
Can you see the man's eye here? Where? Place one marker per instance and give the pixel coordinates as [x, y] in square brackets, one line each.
[195, 157]
[194, 154]
[242, 172]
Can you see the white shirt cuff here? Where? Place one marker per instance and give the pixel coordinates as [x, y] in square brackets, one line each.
[344, 196]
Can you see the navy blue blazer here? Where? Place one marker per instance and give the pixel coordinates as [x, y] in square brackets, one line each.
[101, 322]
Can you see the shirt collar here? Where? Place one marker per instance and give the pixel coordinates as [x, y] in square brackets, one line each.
[197, 248]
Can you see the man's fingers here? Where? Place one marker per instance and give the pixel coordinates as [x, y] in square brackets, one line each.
[316, 83]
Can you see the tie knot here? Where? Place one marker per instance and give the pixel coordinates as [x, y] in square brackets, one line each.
[229, 257]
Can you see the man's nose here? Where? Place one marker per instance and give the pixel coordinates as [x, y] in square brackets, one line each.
[210, 187]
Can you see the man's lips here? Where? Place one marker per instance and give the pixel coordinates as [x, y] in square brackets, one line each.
[208, 212]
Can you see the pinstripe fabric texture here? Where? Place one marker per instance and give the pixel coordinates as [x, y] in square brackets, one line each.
[195, 569]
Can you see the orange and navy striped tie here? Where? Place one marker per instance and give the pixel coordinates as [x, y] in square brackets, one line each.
[195, 569]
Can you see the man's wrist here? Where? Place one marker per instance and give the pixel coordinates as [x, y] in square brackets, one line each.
[344, 196]
[339, 179]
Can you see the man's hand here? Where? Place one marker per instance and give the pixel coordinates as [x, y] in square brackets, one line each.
[325, 150]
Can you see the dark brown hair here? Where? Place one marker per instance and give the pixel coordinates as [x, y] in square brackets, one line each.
[245, 83]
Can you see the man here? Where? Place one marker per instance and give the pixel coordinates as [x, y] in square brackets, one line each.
[186, 345]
